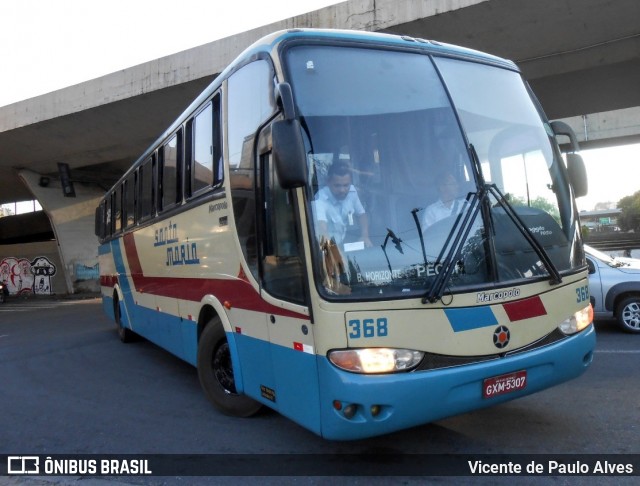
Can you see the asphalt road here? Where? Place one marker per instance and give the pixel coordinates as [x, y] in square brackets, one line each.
[69, 386]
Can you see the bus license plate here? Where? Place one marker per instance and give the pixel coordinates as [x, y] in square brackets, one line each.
[499, 385]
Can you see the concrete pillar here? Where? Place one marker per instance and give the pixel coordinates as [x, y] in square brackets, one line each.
[72, 220]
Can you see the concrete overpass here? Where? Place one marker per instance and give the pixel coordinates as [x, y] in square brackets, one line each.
[582, 58]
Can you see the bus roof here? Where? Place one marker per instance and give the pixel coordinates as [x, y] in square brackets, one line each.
[373, 38]
[268, 43]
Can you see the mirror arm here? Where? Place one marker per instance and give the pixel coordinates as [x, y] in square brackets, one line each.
[284, 98]
[561, 128]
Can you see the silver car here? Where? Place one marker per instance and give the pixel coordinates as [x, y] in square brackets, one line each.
[615, 288]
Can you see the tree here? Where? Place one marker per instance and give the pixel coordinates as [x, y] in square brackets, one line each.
[630, 217]
[538, 203]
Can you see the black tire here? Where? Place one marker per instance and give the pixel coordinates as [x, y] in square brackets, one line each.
[215, 372]
[628, 314]
[125, 335]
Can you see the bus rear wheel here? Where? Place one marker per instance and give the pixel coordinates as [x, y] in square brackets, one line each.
[215, 371]
[125, 335]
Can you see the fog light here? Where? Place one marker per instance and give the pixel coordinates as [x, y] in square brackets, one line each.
[375, 410]
[350, 410]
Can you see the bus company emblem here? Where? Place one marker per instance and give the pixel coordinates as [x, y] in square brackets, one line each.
[501, 336]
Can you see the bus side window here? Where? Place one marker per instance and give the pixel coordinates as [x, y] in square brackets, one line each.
[283, 274]
[129, 200]
[170, 170]
[117, 209]
[146, 189]
[250, 102]
[108, 207]
[204, 160]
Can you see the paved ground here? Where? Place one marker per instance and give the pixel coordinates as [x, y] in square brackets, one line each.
[70, 386]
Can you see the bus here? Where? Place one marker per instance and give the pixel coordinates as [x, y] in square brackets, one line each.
[279, 235]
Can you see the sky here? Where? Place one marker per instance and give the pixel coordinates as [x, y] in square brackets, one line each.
[47, 45]
[613, 173]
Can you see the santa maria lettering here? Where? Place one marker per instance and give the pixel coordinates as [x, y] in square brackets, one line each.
[183, 254]
[177, 253]
[166, 235]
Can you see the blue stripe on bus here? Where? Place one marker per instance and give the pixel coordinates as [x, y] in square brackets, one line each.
[123, 281]
[289, 373]
[104, 249]
[467, 318]
[162, 329]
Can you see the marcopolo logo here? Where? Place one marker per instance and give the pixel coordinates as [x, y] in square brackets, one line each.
[501, 336]
[484, 297]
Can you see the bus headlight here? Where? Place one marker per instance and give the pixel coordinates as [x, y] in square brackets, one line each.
[375, 360]
[578, 321]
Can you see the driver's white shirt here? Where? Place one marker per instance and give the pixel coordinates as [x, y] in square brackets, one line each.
[338, 214]
[438, 210]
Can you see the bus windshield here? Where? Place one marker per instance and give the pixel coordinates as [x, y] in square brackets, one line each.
[401, 148]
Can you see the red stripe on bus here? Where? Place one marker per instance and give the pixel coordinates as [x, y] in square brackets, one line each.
[525, 309]
[237, 291]
[108, 280]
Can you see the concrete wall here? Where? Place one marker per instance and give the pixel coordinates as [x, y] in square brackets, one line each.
[30, 268]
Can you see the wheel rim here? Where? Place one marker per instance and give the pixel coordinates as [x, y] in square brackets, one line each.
[223, 368]
[631, 315]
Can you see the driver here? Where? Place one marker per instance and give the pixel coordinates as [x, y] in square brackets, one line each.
[449, 204]
[338, 206]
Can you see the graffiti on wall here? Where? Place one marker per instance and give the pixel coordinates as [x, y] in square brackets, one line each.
[23, 276]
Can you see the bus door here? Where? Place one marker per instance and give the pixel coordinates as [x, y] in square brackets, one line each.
[293, 358]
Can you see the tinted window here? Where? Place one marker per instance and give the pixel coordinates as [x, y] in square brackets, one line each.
[250, 103]
[202, 168]
[146, 192]
[250, 98]
[117, 209]
[130, 200]
[170, 172]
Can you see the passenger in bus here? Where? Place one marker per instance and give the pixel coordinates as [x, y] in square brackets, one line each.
[338, 208]
[450, 202]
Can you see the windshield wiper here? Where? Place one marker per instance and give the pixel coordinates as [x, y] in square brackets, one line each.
[414, 213]
[526, 232]
[462, 227]
[459, 232]
[397, 243]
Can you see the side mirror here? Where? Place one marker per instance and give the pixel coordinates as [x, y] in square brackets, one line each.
[287, 144]
[577, 174]
[575, 165]
[288, 153]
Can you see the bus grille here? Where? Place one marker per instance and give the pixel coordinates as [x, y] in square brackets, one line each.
[433, 361]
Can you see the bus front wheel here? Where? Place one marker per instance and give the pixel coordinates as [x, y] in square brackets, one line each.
[215, 371]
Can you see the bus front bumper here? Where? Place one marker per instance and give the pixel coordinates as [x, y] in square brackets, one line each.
[355, 406]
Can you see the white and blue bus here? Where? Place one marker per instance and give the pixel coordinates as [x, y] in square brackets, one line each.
[364, 232]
